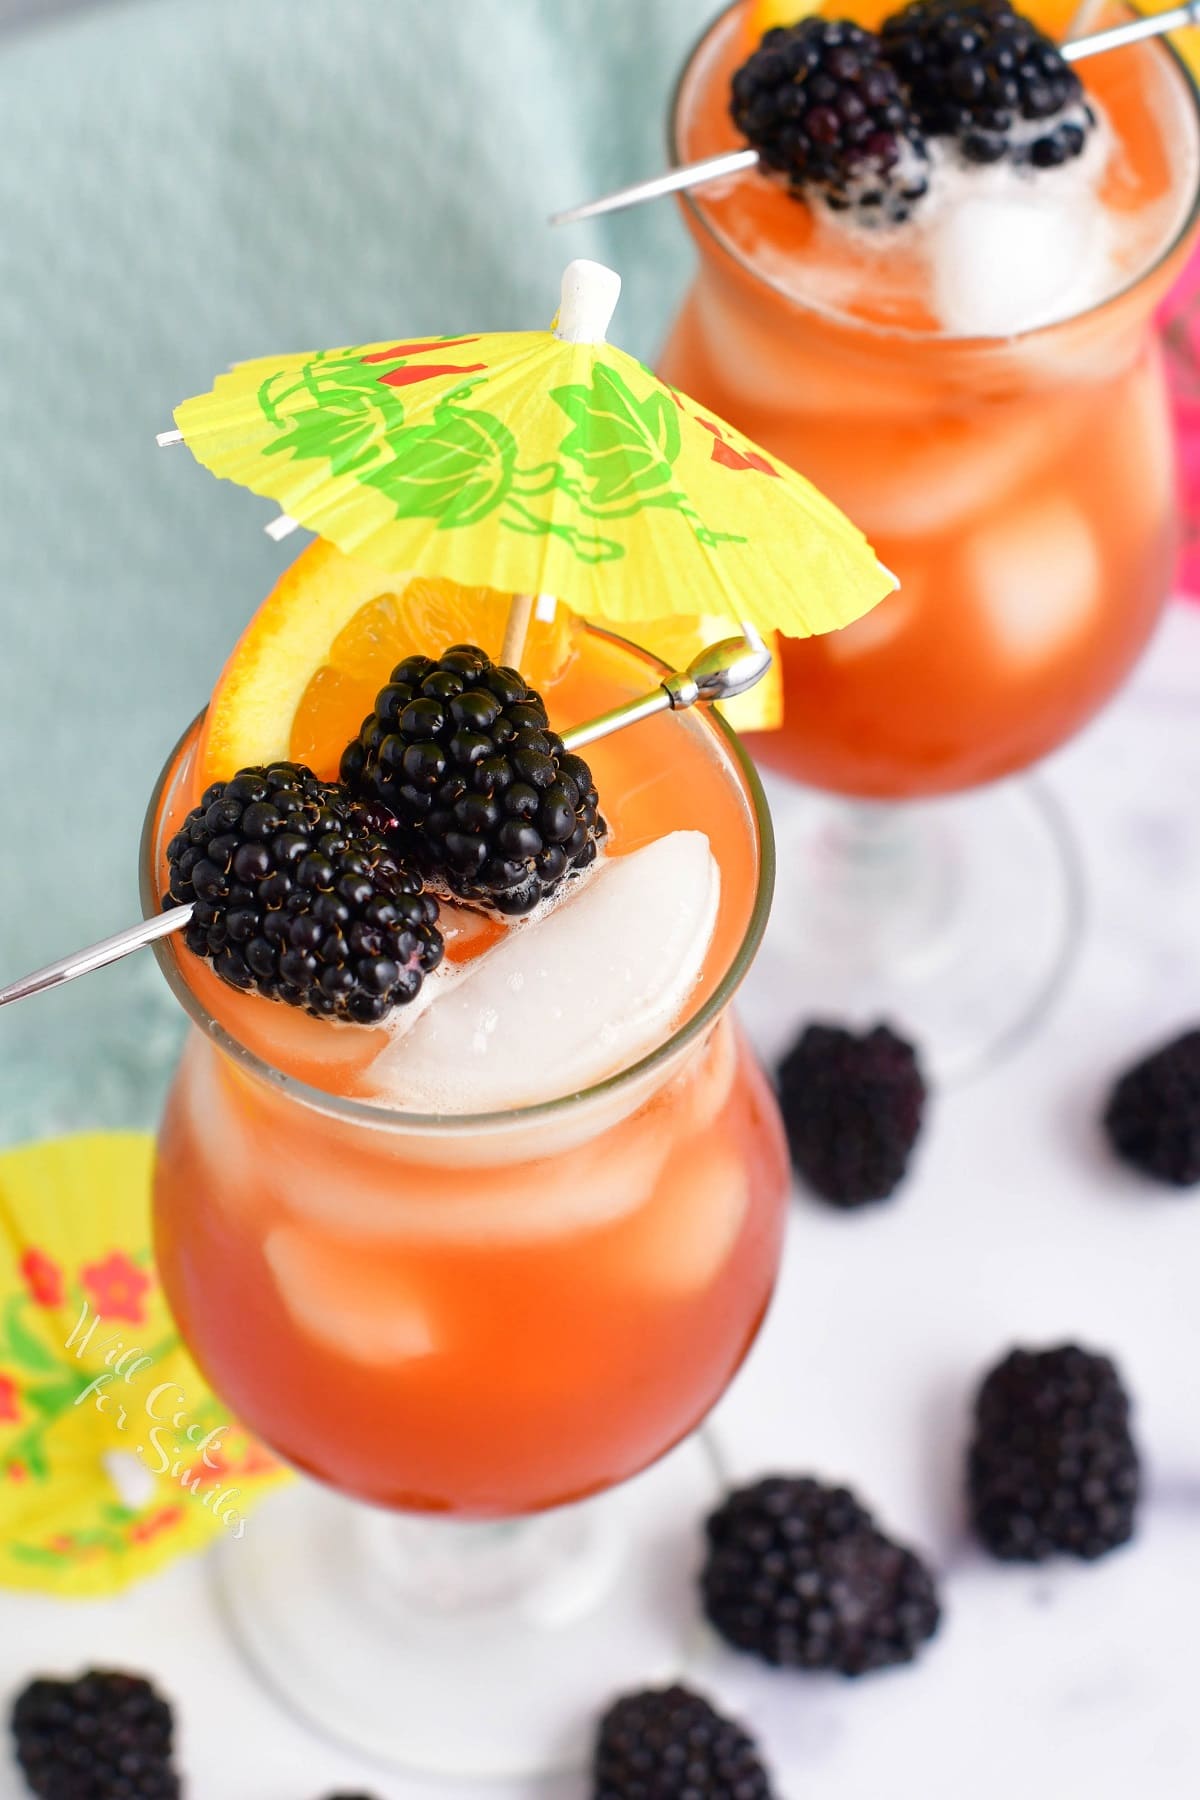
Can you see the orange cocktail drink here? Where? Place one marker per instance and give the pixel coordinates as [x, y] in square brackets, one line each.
[475, 1308]
[1015, 469]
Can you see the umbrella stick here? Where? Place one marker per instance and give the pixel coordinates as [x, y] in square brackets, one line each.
[520, 613]
[717, 673]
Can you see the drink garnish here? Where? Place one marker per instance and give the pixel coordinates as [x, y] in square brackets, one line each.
[719, 672]
[985, 76]
[844, 113]
[824, 109]
[1055, 147]
[298, 895]
[495, 811]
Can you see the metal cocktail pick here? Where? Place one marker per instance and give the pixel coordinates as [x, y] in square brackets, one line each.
[717, 673]
[732, 162]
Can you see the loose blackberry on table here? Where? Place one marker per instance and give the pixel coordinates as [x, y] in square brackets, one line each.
[299, 895]
[102, 1736]
[671, 1744]
[984, 75]
[1152, 1119]
[492, 807]
[852, 1107]
[1052, 1466]
[822, 107]
[799, 1574]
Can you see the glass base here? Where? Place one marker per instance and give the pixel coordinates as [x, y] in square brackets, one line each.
[956, 921]
[467, 1649]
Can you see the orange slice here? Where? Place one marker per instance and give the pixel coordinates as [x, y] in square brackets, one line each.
[306, 670]
[1053, 16]
[677, 639]
[764, 15]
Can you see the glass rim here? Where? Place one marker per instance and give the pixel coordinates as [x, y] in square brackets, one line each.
[449, 1125]
[870, 328]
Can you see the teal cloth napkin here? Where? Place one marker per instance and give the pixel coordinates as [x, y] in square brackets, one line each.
[184, 183]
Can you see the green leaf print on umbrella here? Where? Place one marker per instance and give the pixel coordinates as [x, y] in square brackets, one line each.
[23, 1347]
[457, 470]
[335, 410]
[625, 447]
[344, 410]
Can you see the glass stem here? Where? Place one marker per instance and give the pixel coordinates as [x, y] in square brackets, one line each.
[885, 884]
[549, 1567]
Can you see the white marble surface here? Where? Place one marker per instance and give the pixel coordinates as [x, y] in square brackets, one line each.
[1063, 1681]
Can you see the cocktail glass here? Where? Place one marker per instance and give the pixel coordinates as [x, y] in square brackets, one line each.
[479, 1336]
[1023, 489]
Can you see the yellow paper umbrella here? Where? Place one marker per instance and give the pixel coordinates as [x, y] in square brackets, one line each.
[114, 1456]
[538, 462]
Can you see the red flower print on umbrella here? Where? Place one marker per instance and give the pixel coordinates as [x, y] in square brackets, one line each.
[10, 1409]
[43, 1278]
[731, 458]
[116, 1288]
[409, 374]
[416, 346]
[146, 1530]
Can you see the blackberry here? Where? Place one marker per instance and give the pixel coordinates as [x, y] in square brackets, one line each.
[1052, 1465]
[300, 897]
[800, 1575]
[670, 1744]
[822, 107]
[852, 1107]
[1153, 1114]
[102, 1736]
[985, 76]
[496, 812]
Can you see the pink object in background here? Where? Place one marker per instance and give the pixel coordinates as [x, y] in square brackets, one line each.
[1180, 319]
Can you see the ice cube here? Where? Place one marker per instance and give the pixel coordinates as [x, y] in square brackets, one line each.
[213, 1092]
[348, 1299]
[685, 1235]
[1138, 436]
[1036, 575]
[1007, 261]
[710, 1074]
[396, 1206]
[936, 471]
[569, 998]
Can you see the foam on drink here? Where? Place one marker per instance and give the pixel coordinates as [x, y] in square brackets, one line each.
[991, 251]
